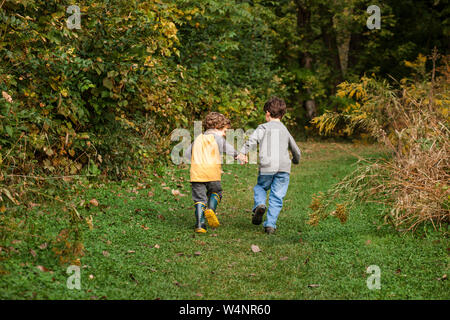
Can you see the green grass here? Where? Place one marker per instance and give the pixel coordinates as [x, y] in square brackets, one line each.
[220, 264]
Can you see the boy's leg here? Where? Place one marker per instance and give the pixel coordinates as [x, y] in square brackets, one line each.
[214, 193]
[214, 187]
[260, 190]
[278, 190]
[199, 197]
[260, 195]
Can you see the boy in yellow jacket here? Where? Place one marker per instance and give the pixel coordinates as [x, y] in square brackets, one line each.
[206, 169]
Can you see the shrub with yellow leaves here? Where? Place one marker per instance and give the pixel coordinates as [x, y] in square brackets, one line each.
[412, 122]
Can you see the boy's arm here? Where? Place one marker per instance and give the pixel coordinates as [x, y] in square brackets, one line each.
[225, 147]
[296, 154]
[188, 153]
[253, 140]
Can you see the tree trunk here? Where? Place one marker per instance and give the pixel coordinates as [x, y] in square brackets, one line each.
[329, 38]
[306, 59]
[343, 37]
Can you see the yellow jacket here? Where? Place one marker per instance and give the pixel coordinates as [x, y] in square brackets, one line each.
[205, 160]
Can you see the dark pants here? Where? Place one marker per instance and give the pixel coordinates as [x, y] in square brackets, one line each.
[202, 190]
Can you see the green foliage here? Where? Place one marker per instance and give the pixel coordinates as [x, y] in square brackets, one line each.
[70, 88]
[323, 43]
[110, 93]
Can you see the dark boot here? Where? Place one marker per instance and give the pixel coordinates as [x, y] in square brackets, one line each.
[210, 213]
[258, 214]
[200, 226]
[269, 230]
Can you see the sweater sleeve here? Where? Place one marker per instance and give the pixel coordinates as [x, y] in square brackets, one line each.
[188, 154]
[225, 147]
[253, 140]
[296, 154]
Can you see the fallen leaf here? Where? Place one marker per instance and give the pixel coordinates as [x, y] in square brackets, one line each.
[43, 246]
[368, 242]
[89, 222]
[313, 285]
[255, 248]
[131, 251]
[444, 277]
[161, 217]
[94, 202]
[69, 179]
[105, 253]
[33, 253]
[12, 249]
[283, 258]
[91, 276]
[156, 246]
[10, 197]
[7, 97]
[197, 253]
[198, 294]
[175, 192]
[140, 186]
[150, 194]
[42, 268]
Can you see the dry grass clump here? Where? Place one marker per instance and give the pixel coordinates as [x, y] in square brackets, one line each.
[413, 123]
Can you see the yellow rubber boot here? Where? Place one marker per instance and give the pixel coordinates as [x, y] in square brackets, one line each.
[210, 214]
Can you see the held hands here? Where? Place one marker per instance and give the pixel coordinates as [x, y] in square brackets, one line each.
[242, 158]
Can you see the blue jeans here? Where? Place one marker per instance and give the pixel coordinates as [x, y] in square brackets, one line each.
[278, 184]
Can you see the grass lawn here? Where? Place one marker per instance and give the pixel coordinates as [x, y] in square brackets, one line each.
[142, 244]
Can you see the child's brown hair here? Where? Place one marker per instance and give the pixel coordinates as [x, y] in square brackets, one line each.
[276, 107]
[216, 120]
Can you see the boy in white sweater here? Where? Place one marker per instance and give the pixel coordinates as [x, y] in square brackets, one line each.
[274, 142]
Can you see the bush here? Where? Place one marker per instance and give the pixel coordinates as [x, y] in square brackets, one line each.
[413, 123]
[104, 98]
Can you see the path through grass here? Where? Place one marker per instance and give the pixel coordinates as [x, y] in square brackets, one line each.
[142, 245]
